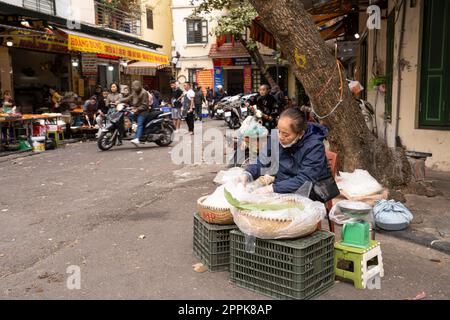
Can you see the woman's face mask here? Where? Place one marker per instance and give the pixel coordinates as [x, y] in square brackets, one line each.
[290, 144]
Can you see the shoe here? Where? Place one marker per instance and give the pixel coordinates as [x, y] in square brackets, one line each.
[119, 143]
[135, 142]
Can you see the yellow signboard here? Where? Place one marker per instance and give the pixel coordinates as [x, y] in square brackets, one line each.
[82, 44]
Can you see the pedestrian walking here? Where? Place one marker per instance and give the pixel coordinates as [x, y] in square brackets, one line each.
[199, 99]
[189, 107]
[175, 100]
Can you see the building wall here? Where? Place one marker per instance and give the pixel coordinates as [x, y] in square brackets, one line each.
[436, 142]
[162, 24]
[82, 10]
[79, 10]
[192, 55]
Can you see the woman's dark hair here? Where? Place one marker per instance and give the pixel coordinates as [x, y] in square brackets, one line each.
[117, 86]
[298, 119]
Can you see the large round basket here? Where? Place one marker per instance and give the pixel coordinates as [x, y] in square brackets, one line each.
[265, 228]
[214, 215]
[271, 228]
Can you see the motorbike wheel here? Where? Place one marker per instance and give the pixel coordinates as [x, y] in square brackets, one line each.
[105, 141]
[167, 137]
[234, 123]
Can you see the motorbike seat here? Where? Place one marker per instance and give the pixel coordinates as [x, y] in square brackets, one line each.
[154, 115]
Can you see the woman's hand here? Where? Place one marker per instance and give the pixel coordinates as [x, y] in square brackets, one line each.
[243, 179]
[264, 190]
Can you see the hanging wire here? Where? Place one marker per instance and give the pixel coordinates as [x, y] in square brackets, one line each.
[340, 69]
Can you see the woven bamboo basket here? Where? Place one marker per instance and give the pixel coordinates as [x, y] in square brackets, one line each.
[270, 228]
[214, 215]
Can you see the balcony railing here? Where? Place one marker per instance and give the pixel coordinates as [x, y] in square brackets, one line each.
[117, 19]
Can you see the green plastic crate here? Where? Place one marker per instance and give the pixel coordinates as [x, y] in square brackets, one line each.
[284, 269]
[212, 244]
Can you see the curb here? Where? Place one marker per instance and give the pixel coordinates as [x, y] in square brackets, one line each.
[420, 238]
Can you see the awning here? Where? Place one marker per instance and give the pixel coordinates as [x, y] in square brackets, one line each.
[81, 42]
[142, 68]
[228, 51]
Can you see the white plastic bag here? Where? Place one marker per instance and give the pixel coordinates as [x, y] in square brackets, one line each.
[252, 128]
[337, 216]
[274, 216]
[224, 177]
[217, 199]
[358, 184]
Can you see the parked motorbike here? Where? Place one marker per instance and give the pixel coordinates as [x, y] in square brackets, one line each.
[159, 129]
[232, 112]
[219, 112]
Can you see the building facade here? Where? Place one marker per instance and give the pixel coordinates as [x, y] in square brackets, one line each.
[413, 106]
[192, 41]
[71, 46]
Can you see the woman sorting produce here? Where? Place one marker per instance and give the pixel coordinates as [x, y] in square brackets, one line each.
[301, 157]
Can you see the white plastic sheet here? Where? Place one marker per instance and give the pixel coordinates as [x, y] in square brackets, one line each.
[358, 183]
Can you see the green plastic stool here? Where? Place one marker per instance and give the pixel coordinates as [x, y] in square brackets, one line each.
[360, 257]
[59, 135]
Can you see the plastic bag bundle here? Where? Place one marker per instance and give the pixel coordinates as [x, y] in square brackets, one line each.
[391, 215]
[273, 216]
[224, 177]
[252, 128]
[358, 184]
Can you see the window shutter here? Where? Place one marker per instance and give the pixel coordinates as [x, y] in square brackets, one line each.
[435, 75]
[149, 19]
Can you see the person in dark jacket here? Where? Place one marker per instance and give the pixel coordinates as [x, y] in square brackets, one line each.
[302, 155]
[218, 95]
[267, 104]
[198, 102]
[140, 102]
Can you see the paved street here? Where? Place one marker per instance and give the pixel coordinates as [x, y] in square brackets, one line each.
[79, 206]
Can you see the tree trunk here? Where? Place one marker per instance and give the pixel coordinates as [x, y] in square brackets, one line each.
[316, 68]
[256, 56]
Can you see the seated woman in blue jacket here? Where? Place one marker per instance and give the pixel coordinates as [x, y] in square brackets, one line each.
[301, 157]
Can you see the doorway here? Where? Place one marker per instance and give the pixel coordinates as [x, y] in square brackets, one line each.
[235, 81]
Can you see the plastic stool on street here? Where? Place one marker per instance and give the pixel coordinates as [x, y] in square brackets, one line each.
[59, 135]
[362, 271]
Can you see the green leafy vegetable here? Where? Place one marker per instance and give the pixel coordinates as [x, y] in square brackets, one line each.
[261, 206]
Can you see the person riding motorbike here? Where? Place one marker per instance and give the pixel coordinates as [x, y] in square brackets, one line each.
[268, 106]
[218, 95]
[140, 102]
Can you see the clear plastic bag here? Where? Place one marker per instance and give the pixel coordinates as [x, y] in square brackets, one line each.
[273, 216]
[224, 177]
[339, 217]
[358, 184]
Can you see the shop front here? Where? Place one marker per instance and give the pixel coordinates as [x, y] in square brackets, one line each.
[116, 61]
[152, 75]
[34, 58]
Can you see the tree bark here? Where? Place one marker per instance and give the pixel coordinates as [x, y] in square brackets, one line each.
[316, 68]
[257, 57]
